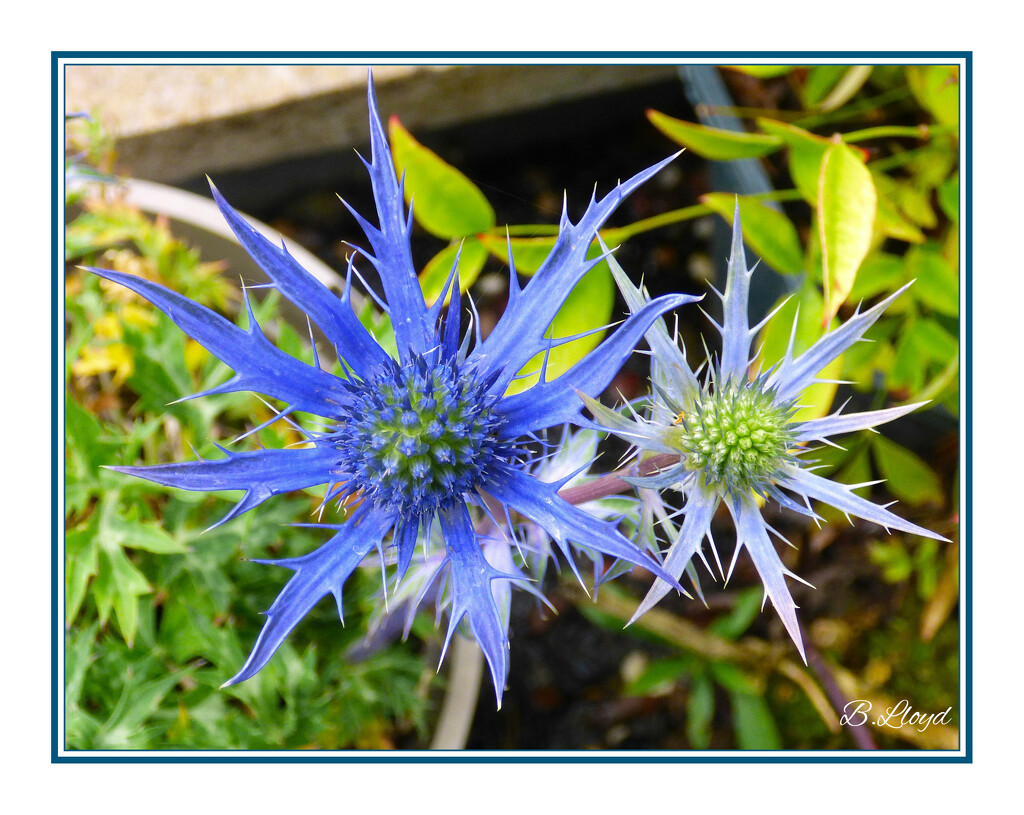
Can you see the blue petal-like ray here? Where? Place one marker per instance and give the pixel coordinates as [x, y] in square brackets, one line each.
[838, 423]
[334, 315]
[667, 357]
[736, 324]
[841, 497]
[519, 334]
[258, 365]
[261, 473]
[752, 535]
[317, 574]
[392, 256]
[564, 522]
[555, 402]
[793, 375]
[406, 535]
[700, 507]
[472, 597]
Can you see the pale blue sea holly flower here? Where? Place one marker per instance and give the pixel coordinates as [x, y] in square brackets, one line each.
[730, 436]
[416, 440]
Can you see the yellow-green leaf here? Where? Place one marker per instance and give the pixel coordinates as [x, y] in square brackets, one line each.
[712, 142]
[820, 80]
[446, 203]
[833, 91]
[806, 151]
[435, 273]
[588, 306]
[937, 88]
[846, 209]
[936, 282]
[761, 71]
[527, 253]
[768, 231]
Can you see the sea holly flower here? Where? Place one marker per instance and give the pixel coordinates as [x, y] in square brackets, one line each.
[411, 442]
[730, 436]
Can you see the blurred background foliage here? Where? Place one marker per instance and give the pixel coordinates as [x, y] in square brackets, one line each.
[864, 164]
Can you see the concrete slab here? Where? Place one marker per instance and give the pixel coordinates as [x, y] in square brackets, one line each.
[175, 122]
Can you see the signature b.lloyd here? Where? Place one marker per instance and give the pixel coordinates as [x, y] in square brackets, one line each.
[901, 714]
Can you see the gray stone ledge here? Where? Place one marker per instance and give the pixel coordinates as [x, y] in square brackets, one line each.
[175, 122]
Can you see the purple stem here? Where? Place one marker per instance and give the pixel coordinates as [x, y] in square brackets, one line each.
[612, 483]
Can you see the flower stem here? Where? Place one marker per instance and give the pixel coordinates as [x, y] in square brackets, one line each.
[613, 483]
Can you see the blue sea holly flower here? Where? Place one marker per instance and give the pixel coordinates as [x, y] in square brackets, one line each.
[731, 437]
[414, 441]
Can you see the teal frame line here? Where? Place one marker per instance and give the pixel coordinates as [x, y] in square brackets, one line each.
[453, 757]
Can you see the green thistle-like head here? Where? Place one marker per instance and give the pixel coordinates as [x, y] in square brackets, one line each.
[738, 436]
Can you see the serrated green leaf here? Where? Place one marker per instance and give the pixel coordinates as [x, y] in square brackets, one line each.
[81, 564]
[472, 257]
[446, 203]
[768, 231]
[846, 208]
[712, 142]
[117, 587]
[907, 476]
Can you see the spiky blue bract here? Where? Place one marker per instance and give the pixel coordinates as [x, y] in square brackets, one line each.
[737, 439]
[411, 443]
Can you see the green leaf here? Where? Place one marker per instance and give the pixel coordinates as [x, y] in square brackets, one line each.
[762, 71]
[820, 80]
[588, 306]
[892, 557]
[733, 679]
[949, 197]
[118, 586]
[712, 142]
[817, 398]
[527, 253]
[806, 151]
[700, 711]
[660, 676]
[936, 283]
[743, 614]
[907, 476]
[81, 564]
[880, 272]
[846, 88]
[446, 203]
[846, 208]
[768, 231]
[937, 88]
[753, 723]
[472, 257]
[890, 223]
